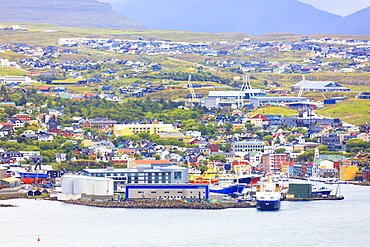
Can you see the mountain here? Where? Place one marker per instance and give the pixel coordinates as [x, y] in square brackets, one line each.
[75, 13]
[253, 17]
[357, 23]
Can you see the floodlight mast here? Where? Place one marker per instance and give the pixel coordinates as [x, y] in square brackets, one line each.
[302, 86]
[245, 88]
[190, 86]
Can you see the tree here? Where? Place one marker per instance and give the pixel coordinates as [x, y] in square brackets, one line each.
[156, 156]
[290, 138]
[323, 148]
[202, 168]
[218, 157]
[268, 138]
[280, 150]
[144, 135]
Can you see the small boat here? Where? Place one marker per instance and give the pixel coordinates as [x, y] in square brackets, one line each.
[268, 195]
[320, 190]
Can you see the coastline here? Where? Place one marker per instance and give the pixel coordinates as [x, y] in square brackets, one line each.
[173, 204]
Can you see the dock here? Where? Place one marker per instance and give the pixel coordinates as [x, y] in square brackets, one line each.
[328, 198]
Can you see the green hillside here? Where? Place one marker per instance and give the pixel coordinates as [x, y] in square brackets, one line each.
[351, 111]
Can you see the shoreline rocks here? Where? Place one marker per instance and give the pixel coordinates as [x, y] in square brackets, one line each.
[7, 205]
[177, 204]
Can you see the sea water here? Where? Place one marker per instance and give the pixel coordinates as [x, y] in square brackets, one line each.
[313, 223]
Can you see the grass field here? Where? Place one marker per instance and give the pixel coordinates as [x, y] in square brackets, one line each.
[11, 71]
[275, 110]
[351, 111]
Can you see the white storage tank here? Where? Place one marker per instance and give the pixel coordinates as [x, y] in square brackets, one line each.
[101, 187]
[110, 187]
[67, 184]
[90, 186]
[79, 185]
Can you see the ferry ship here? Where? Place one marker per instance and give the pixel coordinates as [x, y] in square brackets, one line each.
[268, 195]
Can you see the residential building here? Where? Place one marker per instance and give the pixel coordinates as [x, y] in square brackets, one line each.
[246, 147]
[98, 123]
[259, 120]
[22, 116]
[133, 129]
[274, 162]
[364, 136]
[348, 171]
[333, 142]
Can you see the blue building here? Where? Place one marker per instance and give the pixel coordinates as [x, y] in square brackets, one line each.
[168, 191]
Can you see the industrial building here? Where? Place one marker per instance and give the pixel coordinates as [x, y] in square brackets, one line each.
[168, 191]
[319, 86]
[92, 188]
[143, 174]
[273, 100]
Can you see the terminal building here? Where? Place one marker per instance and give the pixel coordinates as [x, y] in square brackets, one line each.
[143, 174]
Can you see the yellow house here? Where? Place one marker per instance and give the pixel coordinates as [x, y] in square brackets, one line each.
[348, 172]
[237, 126]
[88, 143]
[241, 167]
[133, 129]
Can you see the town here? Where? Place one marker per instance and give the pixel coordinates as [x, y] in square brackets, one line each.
[159, 119]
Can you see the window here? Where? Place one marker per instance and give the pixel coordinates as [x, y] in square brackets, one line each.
[177, 175]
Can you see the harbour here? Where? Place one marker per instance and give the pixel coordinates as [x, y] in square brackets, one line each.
[297, 223]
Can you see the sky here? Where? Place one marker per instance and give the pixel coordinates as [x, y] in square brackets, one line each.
[339, 7]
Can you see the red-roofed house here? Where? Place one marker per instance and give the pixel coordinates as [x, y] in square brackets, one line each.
[22, 116]
[44, 88]
[259, 120]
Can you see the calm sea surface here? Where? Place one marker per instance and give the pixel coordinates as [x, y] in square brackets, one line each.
[319, 223]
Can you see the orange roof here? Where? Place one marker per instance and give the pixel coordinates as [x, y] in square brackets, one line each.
[3, 123]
